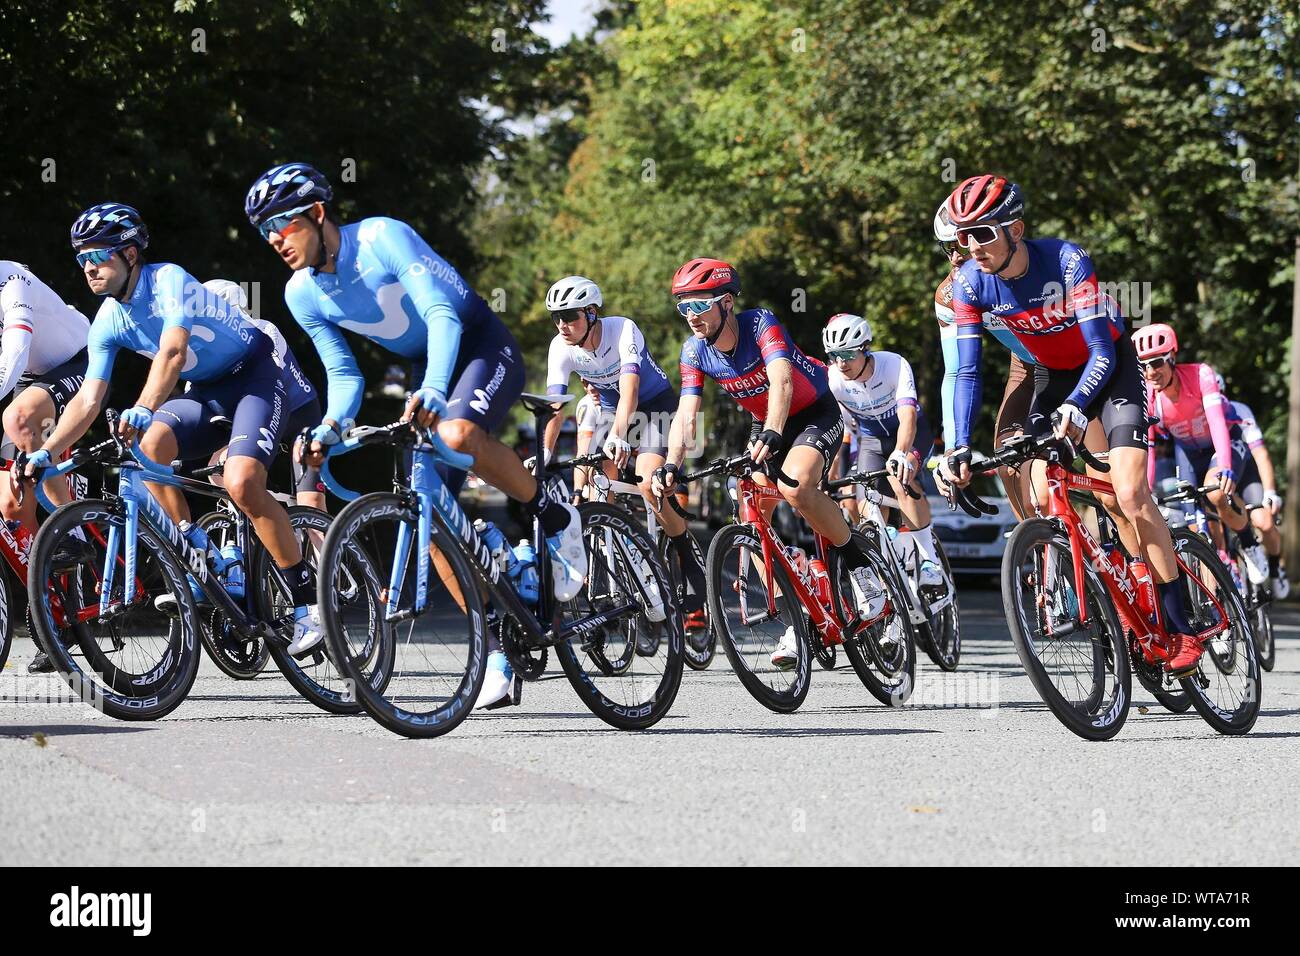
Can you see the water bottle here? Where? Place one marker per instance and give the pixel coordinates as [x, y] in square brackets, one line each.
[798, 560]
[1146, 588]
[496, 542]
[821, 580]
[233, 577]
[22, 537]
[527, 559]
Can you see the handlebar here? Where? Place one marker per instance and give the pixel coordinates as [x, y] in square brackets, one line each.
[1014, 453]
[869, 478]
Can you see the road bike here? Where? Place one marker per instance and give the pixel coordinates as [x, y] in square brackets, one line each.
[1085, 618]
[445, 590]
[758, 596]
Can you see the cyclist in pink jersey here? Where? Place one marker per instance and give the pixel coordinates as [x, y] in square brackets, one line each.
[1185, 400]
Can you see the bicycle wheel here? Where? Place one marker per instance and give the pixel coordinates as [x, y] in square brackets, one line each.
[752, 617]
[137, 663]
[1080, 671]
[701, 647]
[1265, 642]
[1225, 688]
[943, 630]
[316, 675]
[426, 682]
[824, 654]
[237, 656]
[623, 567]
[6, 619]
[883, 651]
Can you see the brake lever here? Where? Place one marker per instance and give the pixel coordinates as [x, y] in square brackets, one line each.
[1093, 462]
[963, 499]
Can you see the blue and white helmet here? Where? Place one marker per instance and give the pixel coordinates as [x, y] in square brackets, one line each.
[281, 188]
[110, 224]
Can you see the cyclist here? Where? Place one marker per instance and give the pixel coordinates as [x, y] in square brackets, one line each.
[1259, 487]
[1019, 390]
[379, 278]
[1184, 399]
[43, 362]
[1046, 292]
[610, 355]
[796, 421]
[877, 396]
[161, 311]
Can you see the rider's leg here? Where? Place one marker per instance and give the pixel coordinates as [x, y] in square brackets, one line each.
[160, 444]
[1012, 416]
[1095, 441]
[674, 526]
[805, 464]
[27, 422]
[246, 484]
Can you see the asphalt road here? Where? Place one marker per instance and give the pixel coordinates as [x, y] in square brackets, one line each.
[974, 771]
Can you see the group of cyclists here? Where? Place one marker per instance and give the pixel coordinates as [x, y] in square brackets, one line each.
[1076, 373]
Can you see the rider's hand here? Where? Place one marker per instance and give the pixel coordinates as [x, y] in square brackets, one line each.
[941, 482]
[1069, 422]
[37, 461]
[955, 467]
[322, 436]
[427, 405]
[766, 444]
[1272, 501]
[902, 466]
[618, 450]
[133, 422]
[663, 480]
[1227, 481]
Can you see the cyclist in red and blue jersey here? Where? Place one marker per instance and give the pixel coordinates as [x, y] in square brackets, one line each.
[1046, 292]
[379, 278]
[796, 426]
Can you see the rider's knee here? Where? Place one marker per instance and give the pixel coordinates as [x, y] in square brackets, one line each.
[20, 426]
[1132, 498]
[460, 435]
[245, 483]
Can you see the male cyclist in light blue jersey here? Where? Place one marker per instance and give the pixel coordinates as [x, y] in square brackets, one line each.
[159, 310]
[378, 278]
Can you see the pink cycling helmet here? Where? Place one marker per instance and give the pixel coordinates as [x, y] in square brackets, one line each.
[1155, 340]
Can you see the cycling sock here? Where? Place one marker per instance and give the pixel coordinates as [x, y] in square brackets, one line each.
[851, 554]
[302, 583]
[1273, 560]
[924, 539]
[1171, 603]
[553, 519]
[691, 571]
[1247, 537]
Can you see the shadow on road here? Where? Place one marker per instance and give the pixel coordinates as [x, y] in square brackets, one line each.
[68, 730]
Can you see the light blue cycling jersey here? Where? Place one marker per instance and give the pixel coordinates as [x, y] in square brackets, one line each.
[165, 297]
[389, 286]
[948, 344]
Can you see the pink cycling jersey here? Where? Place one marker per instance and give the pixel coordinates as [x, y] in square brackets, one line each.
[1197, 420]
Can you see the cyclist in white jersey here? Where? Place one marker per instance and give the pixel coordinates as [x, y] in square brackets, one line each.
[610, 354]
[43, 362]
[877, 396]
[588, 419]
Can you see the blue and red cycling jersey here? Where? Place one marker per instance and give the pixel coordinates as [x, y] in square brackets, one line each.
[743, 372]
[1055, 310]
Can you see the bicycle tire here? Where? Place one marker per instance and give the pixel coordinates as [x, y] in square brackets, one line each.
[734, 537]
[943, 643]
[6, 619]
[701, 649]
[1096, 717]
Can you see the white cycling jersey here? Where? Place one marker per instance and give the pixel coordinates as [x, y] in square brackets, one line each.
[587, 414]
[40, 331]
[873, 404]
[621, 350]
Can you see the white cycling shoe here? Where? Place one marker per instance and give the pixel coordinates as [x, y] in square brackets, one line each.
[500, 686]
[568, 556]
[786, 655]
[931, 576]
[1256, 563]
[867, 593]
[1281, 586]
[307, 630]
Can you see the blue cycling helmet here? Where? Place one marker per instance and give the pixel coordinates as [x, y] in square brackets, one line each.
[289, 186]
[110, 224]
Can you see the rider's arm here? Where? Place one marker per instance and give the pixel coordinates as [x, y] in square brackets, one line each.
[558, 371]
[16, 342]
[969, 322]
[1153, 404]
[77, 417]
[344, 383]
[1264, 465]
[905, 396]
[629, 388]
[552, 434]
[780, 391]
[948, 389]
[165, 371]
[681, 435]
[1215, 405]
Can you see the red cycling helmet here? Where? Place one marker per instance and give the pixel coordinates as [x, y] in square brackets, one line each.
[1154, 340]
[706, 275]
[985, 198]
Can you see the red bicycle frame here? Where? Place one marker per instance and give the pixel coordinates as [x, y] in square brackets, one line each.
[1121, 583]
[819, 607]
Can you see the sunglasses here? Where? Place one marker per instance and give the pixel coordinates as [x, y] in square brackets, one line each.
[949, 246]
[98, 256]
[283, 223]
[983, 234]
[568, 316]
[697, 306]
[1150, 365]
[843, 355]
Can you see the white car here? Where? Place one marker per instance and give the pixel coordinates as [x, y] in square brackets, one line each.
[973, 545]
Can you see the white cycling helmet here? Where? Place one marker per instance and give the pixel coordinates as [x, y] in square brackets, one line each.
[944, 230]
[572, 292]
[845, 331]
